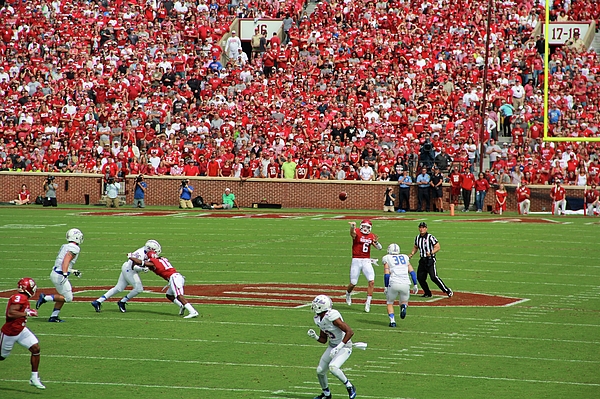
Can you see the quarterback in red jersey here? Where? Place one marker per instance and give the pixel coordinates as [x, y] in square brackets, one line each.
[592, 202]
[362, 239]
[523, 198]
[163, 268]
[15, 331]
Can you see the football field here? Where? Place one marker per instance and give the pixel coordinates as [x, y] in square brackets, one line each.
[524, 321]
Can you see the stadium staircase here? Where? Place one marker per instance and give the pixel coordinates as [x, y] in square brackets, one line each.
[596, 43]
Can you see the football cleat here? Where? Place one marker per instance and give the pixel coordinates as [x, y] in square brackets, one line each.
[97, 305]
[191, 315]
[36, 383]
[121, 306]
[450, 293]
[181, 310]
[348, 299]
[367, 307]
[55, 319]
[403, 312]
[351, 392]
[41, 300]
[323, 396]
[426, 296]
[392, 324]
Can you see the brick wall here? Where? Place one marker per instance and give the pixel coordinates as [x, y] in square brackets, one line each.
[74, 188]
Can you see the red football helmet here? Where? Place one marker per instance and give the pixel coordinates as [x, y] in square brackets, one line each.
[365, 226]
[27, 286]
[152, 254]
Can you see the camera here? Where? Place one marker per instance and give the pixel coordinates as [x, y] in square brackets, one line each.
[111, 180]
[50, 179]
[184, 182]
[139, 178]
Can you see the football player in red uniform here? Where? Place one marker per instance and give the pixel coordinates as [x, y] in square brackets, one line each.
[523, 198]
[362, 239]
[163, 268]
[558, 195]
[591, 200]
[14, 330]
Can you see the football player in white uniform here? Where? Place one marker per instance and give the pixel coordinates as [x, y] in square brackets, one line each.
[130, 275]
[63, 268]
[396, 267]
[338, 333]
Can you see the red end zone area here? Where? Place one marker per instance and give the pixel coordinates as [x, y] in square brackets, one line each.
[282, 295]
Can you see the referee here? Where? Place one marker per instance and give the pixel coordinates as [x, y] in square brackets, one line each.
[428, 245]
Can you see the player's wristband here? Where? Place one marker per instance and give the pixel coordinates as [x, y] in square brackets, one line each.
[386, 280]
[413, 276]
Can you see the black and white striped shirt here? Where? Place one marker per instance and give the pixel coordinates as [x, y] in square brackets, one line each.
[425, 244]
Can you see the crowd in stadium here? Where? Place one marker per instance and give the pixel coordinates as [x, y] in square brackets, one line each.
[127, 87]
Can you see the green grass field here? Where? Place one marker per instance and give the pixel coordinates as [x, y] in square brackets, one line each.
[545, 347]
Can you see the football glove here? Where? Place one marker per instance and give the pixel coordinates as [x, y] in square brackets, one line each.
[31, 312]
[374, 262]
[360, 345]
[385, 291]
[140, 269]
[415, 289]
[336, 350]
[76, 273]
[311, 333]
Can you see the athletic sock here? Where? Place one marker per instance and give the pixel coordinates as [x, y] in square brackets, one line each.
[348, 384]
[190, 308]
[392, 318]
[369, 297]
[101, 299]
[125, 299]
[176, 302]
[49, 298]
[34, 374]
[55, 312]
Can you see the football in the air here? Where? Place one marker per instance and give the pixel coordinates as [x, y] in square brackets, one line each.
[343, 196]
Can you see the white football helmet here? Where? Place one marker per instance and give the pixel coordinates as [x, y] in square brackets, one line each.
[153, 245]
[365, 226]
[75, 235]
[394, 249]
[322, 303]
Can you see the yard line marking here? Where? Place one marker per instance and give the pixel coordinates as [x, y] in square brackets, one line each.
[375, 330]
[120, 384]
[477, 377]
[507, 356]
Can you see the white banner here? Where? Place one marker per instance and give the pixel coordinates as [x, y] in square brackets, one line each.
[560, 32]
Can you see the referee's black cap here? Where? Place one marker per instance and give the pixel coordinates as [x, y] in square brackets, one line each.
[422, 224]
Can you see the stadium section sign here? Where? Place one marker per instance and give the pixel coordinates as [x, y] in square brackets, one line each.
[269, 26]
[560, 32]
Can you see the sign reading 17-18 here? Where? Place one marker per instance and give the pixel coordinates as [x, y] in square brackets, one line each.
[560, 32]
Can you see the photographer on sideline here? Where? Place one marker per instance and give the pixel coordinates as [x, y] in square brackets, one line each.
[139, 192]
[185, 195]
[112, 193]
[50, 192]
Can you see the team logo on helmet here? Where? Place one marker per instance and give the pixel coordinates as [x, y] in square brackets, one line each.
[393, 249]
[322, 303]
[75, 235]
[27, 286]
[153, 245]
